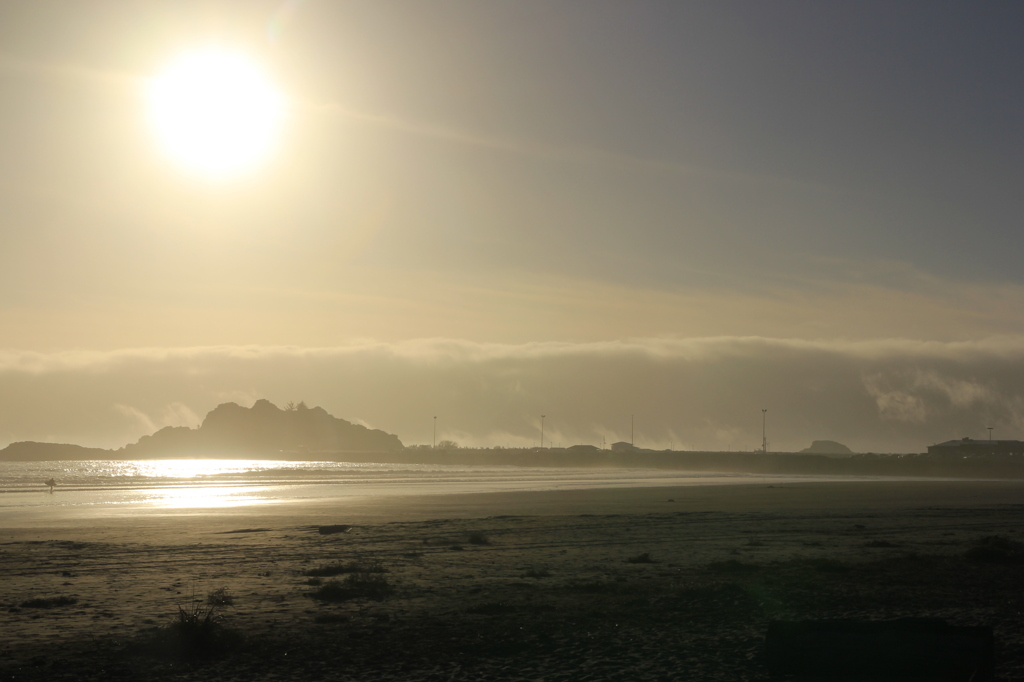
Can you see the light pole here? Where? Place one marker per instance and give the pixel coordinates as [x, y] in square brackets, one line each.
[631, 431]
[433, 444]
[764, 438]
[542, 431]
[990, 434]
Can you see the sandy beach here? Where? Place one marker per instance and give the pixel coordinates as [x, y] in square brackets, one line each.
[654, 583]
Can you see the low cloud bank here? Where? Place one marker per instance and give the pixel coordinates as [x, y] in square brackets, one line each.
[707, 393]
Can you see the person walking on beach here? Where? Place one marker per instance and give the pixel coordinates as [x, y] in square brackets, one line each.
[50, 482]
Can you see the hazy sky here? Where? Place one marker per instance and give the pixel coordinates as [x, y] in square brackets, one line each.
[491, 210]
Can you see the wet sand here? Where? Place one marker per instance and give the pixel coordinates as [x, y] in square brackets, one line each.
[630, 584]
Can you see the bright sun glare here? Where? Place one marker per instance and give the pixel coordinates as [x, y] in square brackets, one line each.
[215, 112]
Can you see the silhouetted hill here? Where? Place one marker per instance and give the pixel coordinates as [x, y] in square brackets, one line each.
[827, 447]
[31, 451]
[230, 430]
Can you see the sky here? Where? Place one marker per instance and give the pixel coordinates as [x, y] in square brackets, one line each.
[686, 212]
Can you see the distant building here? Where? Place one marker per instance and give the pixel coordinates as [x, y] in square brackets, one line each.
[970, 447]
[590, 449]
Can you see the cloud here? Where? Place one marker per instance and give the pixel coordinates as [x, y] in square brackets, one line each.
[959, 392]
[700, 393]
[904, 395]
[892, 404]
[174, 414]
[147, 424]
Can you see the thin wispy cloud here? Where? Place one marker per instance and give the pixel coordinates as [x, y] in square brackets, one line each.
[563, 154]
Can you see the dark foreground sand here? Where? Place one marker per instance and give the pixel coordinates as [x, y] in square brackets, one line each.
[634, 584]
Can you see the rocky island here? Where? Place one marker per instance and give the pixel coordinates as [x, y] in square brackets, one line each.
[233, 431]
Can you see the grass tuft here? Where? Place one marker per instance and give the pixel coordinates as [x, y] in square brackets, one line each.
[824, 565]
[330, 570]
[196, 632]
[491, 609]
[644, 558]
[996, 549]
[732, 566]
[333, 529]
[537, 573]
[880, 544]
[48, 602]
[593, 587]
[478, 538]
[220, 597]
[373, 586]
[327, 618]
[196, 623]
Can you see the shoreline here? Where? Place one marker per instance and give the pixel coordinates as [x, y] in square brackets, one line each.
[105, 491]
[694, 461]
[753, 497]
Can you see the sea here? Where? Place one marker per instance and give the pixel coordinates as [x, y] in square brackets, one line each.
[207, 484]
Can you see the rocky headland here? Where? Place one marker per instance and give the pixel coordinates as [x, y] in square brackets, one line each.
[232, 431]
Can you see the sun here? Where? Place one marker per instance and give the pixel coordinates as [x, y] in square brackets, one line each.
[215, 112]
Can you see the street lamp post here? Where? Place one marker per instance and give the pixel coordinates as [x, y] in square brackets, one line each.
[542, 430]
[764, 436]
[433, 444]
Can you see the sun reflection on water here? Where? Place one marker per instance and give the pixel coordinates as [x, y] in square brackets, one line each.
[200, 494]
[189, 497]
[191, 468]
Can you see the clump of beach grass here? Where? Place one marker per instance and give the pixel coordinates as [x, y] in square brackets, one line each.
[478, 538]
[48, 602]
[197, 630]
[884, 544]
[593, 586]
[827, 565]
[537, 573]
[732, 566]
[491, 609]
[373, 586]
[329, 618]
[330, 570]
[996, 549]
[220, 597]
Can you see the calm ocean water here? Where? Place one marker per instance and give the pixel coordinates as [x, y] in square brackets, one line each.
[208, 483]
